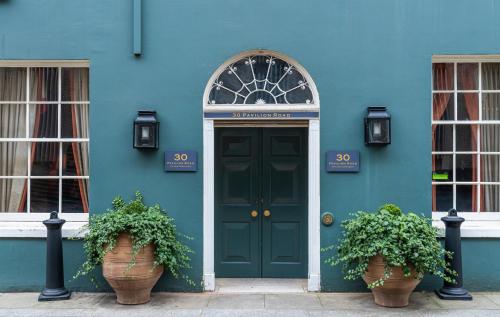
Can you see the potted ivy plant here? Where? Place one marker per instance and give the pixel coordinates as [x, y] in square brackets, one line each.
[391, 251]
[134, 243]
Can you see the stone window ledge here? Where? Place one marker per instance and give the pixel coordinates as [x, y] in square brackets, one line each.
[474, 228]
[24, 229]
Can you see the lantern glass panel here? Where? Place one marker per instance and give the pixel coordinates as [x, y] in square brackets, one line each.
[145, 135]
[378, 130]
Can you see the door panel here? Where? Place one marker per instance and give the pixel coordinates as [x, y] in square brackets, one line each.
[284, 183]
[259, 169]
[236, 240]
[237, 183]
[285, 242]
[237, 188]
[284, 192]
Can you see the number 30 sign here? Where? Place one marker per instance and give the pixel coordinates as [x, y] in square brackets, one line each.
[181, 161]
[342, 161]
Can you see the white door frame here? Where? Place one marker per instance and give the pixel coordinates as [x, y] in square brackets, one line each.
[314, 280]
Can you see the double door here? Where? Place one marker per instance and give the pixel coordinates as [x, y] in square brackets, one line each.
[261, 202]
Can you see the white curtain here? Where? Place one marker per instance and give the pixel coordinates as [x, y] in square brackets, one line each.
[13, 155]
[490, 138]
[80, 123]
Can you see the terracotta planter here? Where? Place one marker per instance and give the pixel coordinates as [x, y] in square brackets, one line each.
[396, 290]
[131, 285]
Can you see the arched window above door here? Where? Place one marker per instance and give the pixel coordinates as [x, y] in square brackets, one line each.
[261, 78]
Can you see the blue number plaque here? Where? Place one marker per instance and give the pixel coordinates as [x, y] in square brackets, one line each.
[342, 161]
[181, 161]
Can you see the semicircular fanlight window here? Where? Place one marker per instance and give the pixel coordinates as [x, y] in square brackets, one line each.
[260, 79]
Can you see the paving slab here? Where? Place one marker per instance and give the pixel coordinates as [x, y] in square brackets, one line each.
[237, 301]
[357, 302]
[423, 301]
[179, 300]
[18, 300]
[494, 297]
[47, 313]
[253, 313]
[77, 301]
[346, 301]
[361, 313]
[292, 301]
[461, 313]
[150, 313]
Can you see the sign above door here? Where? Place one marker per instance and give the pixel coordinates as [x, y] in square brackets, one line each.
[262, 115]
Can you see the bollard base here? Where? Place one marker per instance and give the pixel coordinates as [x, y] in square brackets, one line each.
[453, 293]
[50, 294]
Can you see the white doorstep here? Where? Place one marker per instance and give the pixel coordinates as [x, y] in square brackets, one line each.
[260, 285]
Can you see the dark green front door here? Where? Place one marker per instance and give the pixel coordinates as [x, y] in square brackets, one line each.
[261, 202]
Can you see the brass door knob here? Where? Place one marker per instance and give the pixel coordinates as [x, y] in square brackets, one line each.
[267, 213]
[254, 213]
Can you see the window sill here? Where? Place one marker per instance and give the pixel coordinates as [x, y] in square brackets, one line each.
[473, 228]
[25, 229]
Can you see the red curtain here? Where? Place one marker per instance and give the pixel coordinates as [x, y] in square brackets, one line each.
[75, 146]
[43, 126]
[468, 78]
[440, 102]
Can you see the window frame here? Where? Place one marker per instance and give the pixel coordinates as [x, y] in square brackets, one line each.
[11, 220]
[479, 216]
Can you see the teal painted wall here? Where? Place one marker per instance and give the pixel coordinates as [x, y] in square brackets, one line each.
[359, 52]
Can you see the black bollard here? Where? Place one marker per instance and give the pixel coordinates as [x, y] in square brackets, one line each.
[454, 291]
[54, 279]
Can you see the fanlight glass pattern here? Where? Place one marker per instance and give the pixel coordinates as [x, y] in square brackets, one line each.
[261, 79]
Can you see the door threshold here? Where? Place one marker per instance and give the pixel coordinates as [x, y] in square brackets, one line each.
[260, 285]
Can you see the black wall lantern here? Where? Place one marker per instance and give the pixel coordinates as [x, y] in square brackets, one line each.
[377, 126]
[146, 130]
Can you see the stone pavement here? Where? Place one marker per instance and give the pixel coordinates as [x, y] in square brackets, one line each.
[222, 305]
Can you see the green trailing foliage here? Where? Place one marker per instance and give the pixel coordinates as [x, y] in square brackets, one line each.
[145, 224]
[402, 239]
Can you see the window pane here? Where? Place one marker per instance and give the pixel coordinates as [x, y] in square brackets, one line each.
[466, 137]
[43, 84]
[13, 159]
[490, 198]
[74, 195]
[491, 106]
[467, 76]
[490, 168]
[44, 195]
[11, 195]
[75, 121]
[442, 107]
[442, 137]
[12, 121]
[75, 159]
[75, 84]
[442, 76]
[442, 168]
[466, 198]
[491, 76]
[45, 159]
[467, 106]
[43, 121]
[12, 84]
[490, 137]
[466, 170]
[442, 197]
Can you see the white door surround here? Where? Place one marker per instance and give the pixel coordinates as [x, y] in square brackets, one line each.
[314, 280]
